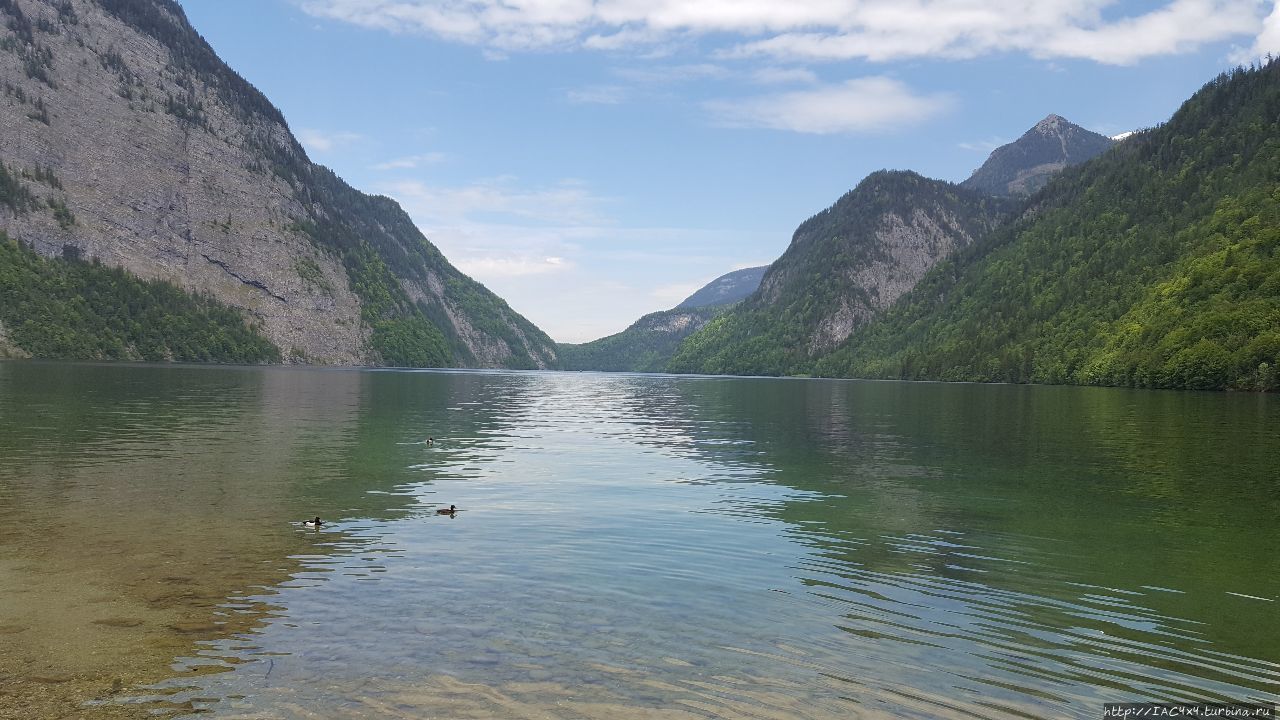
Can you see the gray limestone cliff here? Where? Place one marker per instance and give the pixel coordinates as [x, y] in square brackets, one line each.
[138, 147]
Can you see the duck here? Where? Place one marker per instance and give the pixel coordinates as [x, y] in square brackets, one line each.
[447, 511]
[431, 441]
[313, 523]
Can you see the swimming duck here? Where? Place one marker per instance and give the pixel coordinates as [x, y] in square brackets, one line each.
[313, 523]
[431, 441]
[447, 511]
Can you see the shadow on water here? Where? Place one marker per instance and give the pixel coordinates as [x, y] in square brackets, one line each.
[1061, 547]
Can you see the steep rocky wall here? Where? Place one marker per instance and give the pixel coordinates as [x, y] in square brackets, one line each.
[131, 143]
[158, 195]
[908, 247]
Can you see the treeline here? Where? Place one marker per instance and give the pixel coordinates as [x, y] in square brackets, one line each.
[1156, 265]
[646, 346]
[67, 308]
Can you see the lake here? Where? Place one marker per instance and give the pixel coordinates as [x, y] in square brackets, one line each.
[626, 546]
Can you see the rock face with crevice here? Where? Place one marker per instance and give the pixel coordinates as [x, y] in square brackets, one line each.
[139, 148]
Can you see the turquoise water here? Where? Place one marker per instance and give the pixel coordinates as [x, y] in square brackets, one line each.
[634, 546]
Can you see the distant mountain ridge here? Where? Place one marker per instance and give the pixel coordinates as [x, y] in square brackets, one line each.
[645, 346]
[728, 288]
[1024, 166]
[128, 141]
[648, 344]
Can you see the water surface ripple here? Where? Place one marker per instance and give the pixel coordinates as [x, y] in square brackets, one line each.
[628, 546]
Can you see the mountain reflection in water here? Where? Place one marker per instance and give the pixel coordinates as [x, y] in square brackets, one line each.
[628, 546]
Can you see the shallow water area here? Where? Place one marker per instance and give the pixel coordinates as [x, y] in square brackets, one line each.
[626, 546]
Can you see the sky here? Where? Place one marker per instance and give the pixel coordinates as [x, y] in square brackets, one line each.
[591, 161]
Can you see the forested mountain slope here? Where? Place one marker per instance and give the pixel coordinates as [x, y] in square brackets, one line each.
[128, 141]
[648, 343]
[844, 265]
[1154, 265]
[645, 346]
[726, 289]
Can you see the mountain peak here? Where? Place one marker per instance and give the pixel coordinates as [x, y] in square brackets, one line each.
[1025, 165]
[1052, 123]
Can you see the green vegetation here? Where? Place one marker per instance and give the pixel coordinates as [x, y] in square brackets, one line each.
[13, 194]
[380, 244]
[646, 346]
[772, 332]
[165, 21]
[410, 342]
[37, 59]
[402, 335]
[72, 309]
[1156, 265]
[311, 274]
[62, 213]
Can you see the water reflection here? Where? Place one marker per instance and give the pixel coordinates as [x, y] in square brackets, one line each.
[670, 547]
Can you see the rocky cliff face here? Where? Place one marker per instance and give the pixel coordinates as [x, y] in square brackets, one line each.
[130, 142]
[844, 266]
[870, 248]
[1025, 165]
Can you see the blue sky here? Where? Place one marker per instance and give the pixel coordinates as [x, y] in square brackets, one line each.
[595, 160]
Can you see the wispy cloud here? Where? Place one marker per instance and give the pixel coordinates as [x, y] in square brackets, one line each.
[666, 74]
[784, 76]
[861, 105]
[498, 228]
[412, 161]
[500, 199]
[668, 296]
[876, 30]
[1267, 41]
[983, 146]
[597, 95]
[323, 141]
[490, 267]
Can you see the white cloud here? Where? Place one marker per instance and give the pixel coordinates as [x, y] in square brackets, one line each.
[411, 162]
[1179, 26]
[556, 254]
[668, 296]
[983, 146]
[597, 95]
[500, 199]
[1267, 41]
[861, 105]
[510, 266]
[785, 76]
[321, 141]
[877, 30]
[665, 74]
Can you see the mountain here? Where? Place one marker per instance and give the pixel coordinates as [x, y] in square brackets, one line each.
[1154, 265]
[726, 289]
[129, 144]
[1025, 165]
[844, 266]
[645, 346]
[649, 342]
